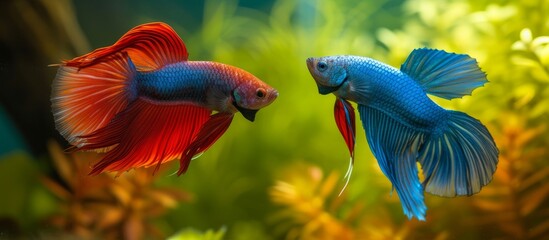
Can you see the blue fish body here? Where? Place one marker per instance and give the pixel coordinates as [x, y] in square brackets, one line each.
[404, 126]
[387, 89]
[173, 82]
[198, 82]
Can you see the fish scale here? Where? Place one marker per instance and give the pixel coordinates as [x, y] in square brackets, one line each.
[411, 107]
[185, 81]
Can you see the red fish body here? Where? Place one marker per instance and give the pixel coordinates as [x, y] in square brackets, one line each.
[144, 103]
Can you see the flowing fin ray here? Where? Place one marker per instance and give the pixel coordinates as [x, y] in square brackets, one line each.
[443, 74]
[212, 130]
[395, 147]
[84, 100]
[150, 46]
[460, 160]
[146, 134]
[344, 114]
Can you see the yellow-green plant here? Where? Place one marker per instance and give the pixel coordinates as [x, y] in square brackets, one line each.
[515, 205]
[508, 38]
[311, 207]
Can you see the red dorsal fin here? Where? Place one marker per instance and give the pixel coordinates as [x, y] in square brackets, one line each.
[150, 46]
[146, 134]
[209, 133]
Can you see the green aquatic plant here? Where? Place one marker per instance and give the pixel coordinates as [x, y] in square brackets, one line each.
[275, 51]
[273, 47]
[312, 209]
[249, 181]
[192, 234]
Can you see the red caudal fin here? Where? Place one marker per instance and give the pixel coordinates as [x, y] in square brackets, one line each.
[84, 100]
[150, 46]
[212, 130]
[146, 134]
[90, 90]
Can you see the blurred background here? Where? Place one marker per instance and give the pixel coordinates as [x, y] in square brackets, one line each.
[278, 177]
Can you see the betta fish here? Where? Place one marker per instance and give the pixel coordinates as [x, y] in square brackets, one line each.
[143, 103]
[404, 126]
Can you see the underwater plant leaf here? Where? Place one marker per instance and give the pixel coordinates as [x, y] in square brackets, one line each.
[117, 208]
[518, 203]
[490, 205]
[540, 41]
[532, 200]
[328, 185]
[61, 162]
[526, 35]
[192, 234]
[537, 177]
[540, 230]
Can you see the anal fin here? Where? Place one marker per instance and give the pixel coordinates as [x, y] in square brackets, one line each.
[208, 135]
[147, 133]
[395, 146]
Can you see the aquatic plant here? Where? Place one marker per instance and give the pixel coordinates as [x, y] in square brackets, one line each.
[312, 207]
[104, 206]
[515, 58]
[516, 204]
[229, 183]
[192, 234]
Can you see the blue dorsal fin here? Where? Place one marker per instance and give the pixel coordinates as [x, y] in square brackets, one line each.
[396, 147]
[443, 74]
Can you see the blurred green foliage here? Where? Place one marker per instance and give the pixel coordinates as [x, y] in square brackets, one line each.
[266, 180]
[191, 234]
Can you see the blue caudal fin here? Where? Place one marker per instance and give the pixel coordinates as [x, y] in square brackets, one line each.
[395, 147]
[460, 159]
[443, 74]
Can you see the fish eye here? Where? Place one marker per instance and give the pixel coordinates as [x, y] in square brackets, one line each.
[261, 93]
[322, 66]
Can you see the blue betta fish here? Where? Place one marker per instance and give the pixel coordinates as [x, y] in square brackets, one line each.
[403, 125]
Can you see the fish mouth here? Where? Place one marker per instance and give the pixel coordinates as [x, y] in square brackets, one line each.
[310, 61]
[323, 89]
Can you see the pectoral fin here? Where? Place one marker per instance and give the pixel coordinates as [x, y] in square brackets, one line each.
[344, 114]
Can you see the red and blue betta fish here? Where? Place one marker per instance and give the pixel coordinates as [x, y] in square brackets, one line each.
[143, 103]
[403, 125]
